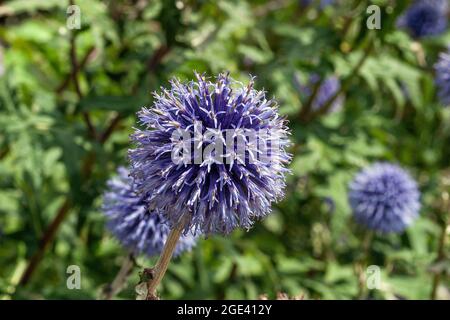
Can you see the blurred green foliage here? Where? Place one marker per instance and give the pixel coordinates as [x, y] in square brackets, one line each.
[56, 83]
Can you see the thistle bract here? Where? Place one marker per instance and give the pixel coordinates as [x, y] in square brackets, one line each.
[131, 222]
[425, 18]
[442, 68]
[384, 198]
[213, 190]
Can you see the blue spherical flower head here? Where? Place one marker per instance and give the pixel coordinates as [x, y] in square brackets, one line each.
[322, 3]
[327, 89]
[384, 198]
[442, 68]
[425, 18]
[212, 194]
[130, 221]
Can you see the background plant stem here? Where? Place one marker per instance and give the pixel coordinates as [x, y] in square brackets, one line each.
[362, 264]
[119, 281]
[88, 165]
[441, 246]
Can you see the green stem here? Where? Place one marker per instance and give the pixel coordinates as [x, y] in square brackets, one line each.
[163, 261]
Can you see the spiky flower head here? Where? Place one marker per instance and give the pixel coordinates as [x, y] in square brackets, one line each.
[442, 68]
[384, 198]
[221, 190]
[131, 222]
[322, 3]
[327, 89]
[425, 18]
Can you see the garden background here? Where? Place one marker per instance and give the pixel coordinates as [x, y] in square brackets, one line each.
[68, 100]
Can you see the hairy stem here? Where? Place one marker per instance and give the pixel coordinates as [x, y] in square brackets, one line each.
[163, 261]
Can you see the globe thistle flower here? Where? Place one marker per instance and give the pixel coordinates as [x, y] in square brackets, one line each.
[425, 18]
[322, 3]
[211, 195]
[442, 68]
[328, 88]
[384, 198]
[130, 221]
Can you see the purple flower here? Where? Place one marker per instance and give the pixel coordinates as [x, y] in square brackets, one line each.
[384, 198]
[328, 88]
[322, 3]
[137, 228]
[329, 204]
[442, 68]
[213, 196]
[425, 18]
